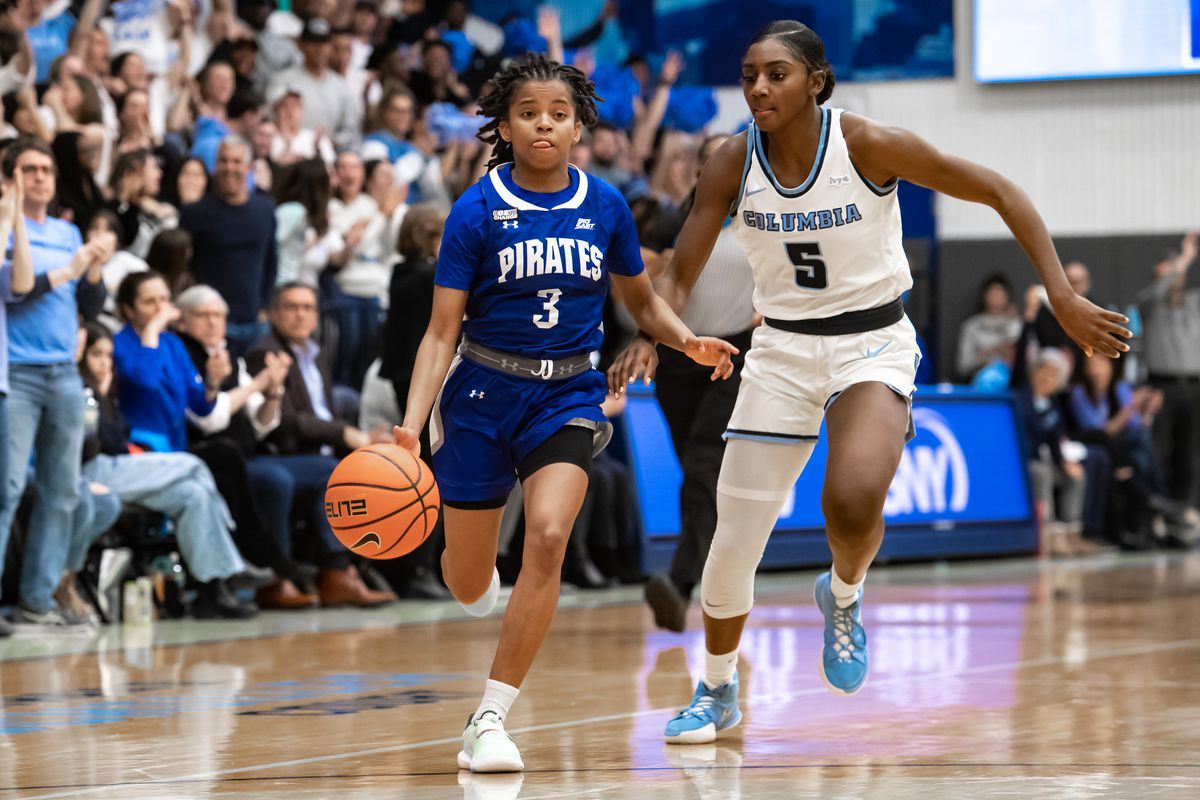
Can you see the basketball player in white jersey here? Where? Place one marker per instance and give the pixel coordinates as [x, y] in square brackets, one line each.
[812, 194]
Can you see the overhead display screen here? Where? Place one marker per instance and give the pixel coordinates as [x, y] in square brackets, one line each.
[1042, 40]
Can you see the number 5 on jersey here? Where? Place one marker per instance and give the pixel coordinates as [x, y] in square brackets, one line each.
[550, 318]
[810, 268]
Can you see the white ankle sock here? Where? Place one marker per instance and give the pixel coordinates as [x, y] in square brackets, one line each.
[719, 670]
[498, 698]
[484, 605]
[844, 593]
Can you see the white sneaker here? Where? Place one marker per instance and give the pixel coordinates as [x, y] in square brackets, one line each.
[487, 747]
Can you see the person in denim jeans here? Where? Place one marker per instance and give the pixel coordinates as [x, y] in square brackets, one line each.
[16, 278]
[45, 402]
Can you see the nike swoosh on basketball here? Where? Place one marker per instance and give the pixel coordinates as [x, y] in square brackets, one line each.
[370, 537]
[880, 349]
[756, 191]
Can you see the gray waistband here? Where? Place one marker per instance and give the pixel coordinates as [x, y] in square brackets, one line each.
[522, 367]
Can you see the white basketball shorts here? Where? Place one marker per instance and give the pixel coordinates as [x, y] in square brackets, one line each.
[791, 378]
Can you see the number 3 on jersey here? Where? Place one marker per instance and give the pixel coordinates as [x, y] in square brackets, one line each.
[550, 318]
[810, 269]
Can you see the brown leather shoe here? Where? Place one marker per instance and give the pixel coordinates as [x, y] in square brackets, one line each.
[344, 587]
[283, 595]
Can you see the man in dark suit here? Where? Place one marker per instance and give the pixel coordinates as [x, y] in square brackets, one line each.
[309, 428]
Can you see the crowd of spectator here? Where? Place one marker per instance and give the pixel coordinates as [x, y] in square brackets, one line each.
[224, 225]
[1113, 445]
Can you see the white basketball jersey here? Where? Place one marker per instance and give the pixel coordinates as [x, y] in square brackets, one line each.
[823, 248]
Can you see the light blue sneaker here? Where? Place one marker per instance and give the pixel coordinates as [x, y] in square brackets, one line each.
[844, 664]
[711, 710]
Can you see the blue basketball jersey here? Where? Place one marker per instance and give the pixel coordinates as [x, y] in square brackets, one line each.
[536, 265]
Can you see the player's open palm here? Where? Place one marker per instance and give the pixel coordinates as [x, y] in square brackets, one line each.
[407, 438]
[712, 352]
[1094, 329]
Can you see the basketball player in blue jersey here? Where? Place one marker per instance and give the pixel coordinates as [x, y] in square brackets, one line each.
[526, 257]
[812, 195]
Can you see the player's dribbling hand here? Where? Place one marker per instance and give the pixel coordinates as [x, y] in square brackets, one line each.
[639, 359]
[408, 439]
[712, 352]
[1094, 329]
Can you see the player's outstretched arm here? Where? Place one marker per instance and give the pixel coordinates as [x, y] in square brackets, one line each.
[882, 153]
[716, 192]
[433, 362]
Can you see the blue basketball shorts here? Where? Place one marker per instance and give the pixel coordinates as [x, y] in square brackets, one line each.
[486, 422]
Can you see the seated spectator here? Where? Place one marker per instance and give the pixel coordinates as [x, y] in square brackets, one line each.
[155, 375]
[1111, 414]
[989, 335]
[306, 242]
[233, 236]
[162, 392]
[308, 428]
[361, 272]
[246, 411]
[174, 483]
[292, 141]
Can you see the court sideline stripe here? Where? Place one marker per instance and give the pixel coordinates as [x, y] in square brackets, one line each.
[1136, 650]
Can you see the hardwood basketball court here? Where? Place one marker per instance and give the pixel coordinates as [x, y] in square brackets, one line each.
[991, 679]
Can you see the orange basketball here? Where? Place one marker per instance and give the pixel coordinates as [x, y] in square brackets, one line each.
[381, 501]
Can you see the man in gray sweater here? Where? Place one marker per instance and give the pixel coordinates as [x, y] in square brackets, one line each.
[1171, 315]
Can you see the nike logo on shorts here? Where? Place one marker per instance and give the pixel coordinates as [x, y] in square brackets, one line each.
[878, 350]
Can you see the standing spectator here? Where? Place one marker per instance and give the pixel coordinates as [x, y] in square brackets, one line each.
[293, 142]
[308, 428]
[45, 403]
[16, 278]
[341, 58]
[327, 101]
[233, 236]
[437, 82]
[243, 116]
[276, 53]
[76, 154]
[306, 242]
[989, 335]
[189, 183]
[361, 272]
[381, 186]
[136, 183]
[1171, 316]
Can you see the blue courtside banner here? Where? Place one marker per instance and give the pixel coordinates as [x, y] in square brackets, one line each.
[961, 488]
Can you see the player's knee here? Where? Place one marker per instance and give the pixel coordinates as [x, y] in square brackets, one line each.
[852, 509]
[545, 544]
[467, 587]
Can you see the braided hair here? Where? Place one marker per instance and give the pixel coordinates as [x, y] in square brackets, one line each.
[498, 93]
